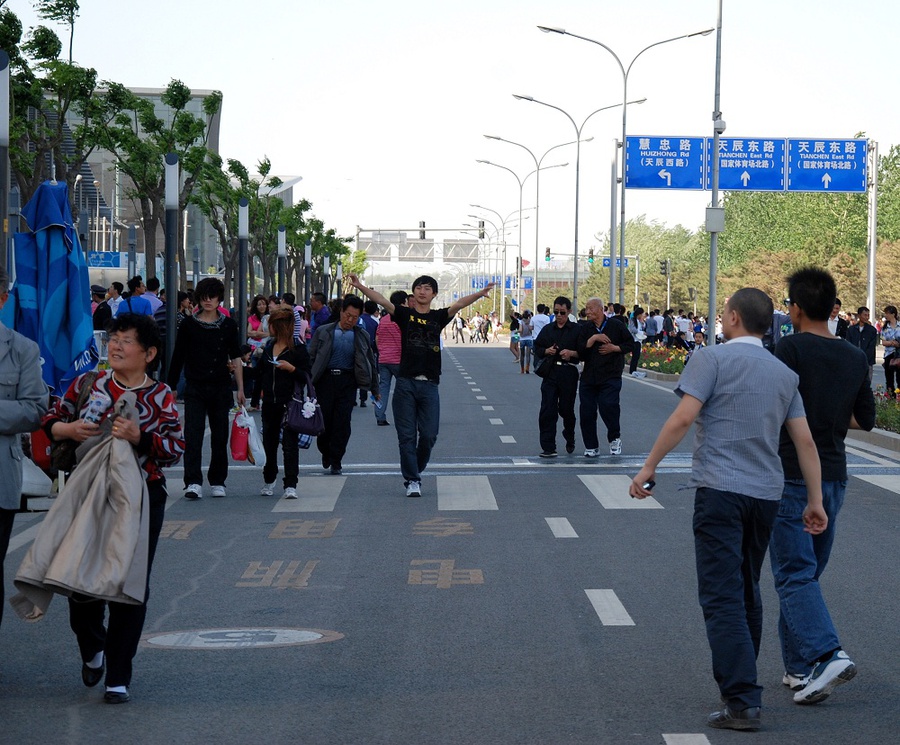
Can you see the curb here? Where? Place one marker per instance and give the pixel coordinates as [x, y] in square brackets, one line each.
[878, 437]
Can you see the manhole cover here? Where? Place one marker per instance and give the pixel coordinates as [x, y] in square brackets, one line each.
[239, 638]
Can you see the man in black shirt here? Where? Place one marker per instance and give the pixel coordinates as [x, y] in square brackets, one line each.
[602, 343]
[863, 335]
[813, 659]
[556, 349]
[417, 404]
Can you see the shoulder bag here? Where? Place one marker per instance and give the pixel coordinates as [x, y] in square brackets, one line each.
[303, 415]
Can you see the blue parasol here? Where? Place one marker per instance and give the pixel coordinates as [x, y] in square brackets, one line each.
[50, 301]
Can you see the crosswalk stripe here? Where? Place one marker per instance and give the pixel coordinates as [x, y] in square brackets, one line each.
[561, 527]
[507, 439]
[612, 492]
[609, 608]
[883, 482]
[314, 494]
[465, 493]
[687, 739]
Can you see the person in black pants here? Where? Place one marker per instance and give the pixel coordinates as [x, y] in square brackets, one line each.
[281, 366]
[557, 346]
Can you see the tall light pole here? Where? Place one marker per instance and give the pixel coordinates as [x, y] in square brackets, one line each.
[578, 131]
[625, 72]
[502, 272]
[97, 221]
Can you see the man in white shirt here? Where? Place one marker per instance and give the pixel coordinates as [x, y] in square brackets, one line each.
[540, 320]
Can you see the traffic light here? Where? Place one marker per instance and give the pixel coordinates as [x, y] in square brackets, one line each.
[481, 230]
[591, 256]
[547, 254]
[664, 267]
[421, 230]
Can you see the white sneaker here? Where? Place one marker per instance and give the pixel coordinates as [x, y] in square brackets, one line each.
[289, 493]
[615, 447]
[825, 677]
[414, 489]
[217, 491]
[592, 453]
[268, 490]
[638, 374]
[795, 682]
[193, 491]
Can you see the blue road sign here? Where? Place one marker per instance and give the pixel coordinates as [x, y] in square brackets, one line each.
[664, 162]
[747, 163]
[606, 262]
[104, 259]
[827, 165]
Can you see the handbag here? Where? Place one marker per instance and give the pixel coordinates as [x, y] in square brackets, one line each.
[62, 452]
[542, 367]
[303, 415]
[240, 435]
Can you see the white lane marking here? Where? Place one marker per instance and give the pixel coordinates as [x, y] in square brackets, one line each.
[612, 493]
[508, 439]
[465, 493]
[314, 494]
[609, 608]
[883, 482]
[487, 408]
[495, 421]
[871, 457]
[642, 381]
[476, 390]
[561, 528]
[23, 538]
[521, 461]
[481, 398]
[686, 740]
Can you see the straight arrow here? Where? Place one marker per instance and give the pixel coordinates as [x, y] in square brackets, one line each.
[745, 177]
[826, 179]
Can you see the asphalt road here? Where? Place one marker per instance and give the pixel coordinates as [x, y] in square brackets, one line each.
[518, 601]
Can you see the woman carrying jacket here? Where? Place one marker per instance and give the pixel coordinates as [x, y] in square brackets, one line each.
[283, 363]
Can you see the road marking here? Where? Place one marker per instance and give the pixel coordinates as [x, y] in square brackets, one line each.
[507, 439]
[685, 739]
[883, 482]
[642, 381]
[521, 461]
[465, 493]
[314, 495]
[473, 383]
[481, 398]
[487, 408]
[612, 493]
[609, 608]
[561, 528]
[476, 390]
[23, 538]
[870, 457]
[495, 421]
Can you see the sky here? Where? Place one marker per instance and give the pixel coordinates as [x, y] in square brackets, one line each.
[381, 105]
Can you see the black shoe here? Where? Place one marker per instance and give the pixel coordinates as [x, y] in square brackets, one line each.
[384, 423]
[548, 454]
[326, 462]
[336, 470]
[111, 697]
[728, 719]
[90, 676]
[362, 404]
[570, 447]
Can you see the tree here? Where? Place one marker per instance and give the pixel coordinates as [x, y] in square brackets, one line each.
[140, 140]
[61, 11]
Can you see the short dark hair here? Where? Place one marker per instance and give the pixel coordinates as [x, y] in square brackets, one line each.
[146, 330]
[209, 288]
[135, 282]
[352, 301]
[120, 288]
[153, 284]
[399, 297]
[562, 300]
[320, 296]
[289, 298]
[862, 309]
[755, 309]
[370, 306]
[426, 280]
[813, 291]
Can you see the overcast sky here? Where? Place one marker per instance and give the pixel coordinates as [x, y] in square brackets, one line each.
[381, 105]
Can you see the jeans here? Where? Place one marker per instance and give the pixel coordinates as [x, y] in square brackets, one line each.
[526, 350]
[202, 402]
[386, 371]
[272, 431]
[605, 397]
[798, 560]
[558, 400]
[119, 639]
[731, 535]
[635, 357]
[417, 417]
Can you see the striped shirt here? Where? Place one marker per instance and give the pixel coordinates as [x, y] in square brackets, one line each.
[387, 336]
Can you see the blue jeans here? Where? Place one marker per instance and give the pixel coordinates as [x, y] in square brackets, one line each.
[798, 560]
[605, 397]
[526, 350]
[417, 416]
[386, 371]
[731, 535]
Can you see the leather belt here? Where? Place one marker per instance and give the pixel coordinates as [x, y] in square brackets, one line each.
[335, 371]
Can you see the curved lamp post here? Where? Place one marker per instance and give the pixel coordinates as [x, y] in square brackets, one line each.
[625, 72]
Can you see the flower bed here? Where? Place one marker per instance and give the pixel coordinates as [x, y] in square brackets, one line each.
[661, 360]
[887, 411]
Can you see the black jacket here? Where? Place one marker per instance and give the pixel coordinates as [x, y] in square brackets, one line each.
[599, 367]
[276, 383]
[565, 338]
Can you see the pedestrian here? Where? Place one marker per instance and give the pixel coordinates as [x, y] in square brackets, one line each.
[342, 361]
[602, 345]
[837, 325]
[115, 296]
[460, 328]
[417, 403]
[152, 295]
[389, 353]
[541, 319]
[24, 402]
[370, 323]
[740, 396]
[135, 302]
[101, 312]
[283, 364]
[556, 347]
[156, 439]
[814, 660]
[207, 346]
[514, 336]
[638, 330]
[863, 335]
[526, 343]
[668, 328]
[321, 313]
[257, 333]
[890, 340]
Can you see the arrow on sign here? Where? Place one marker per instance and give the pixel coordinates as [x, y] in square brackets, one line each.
[667, 176]
[745, 178]
[826, 179]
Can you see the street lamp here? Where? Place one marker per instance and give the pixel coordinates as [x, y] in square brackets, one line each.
[578, 131]
[97, 222]
[625, 72]
[502, 273]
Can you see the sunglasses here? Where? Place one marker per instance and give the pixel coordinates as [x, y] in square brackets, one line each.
[560, 312]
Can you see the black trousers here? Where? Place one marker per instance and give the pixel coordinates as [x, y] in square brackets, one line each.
[7, 517]
[119, 639]
[337, 397]
[558, 400]
[202, 402]
[272, 416]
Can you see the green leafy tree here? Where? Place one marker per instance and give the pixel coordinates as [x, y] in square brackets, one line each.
[61, 11]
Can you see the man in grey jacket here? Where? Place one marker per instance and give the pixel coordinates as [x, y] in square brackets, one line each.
[23, 401]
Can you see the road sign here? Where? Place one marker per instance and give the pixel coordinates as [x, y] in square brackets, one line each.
[606, 262]
[747, 163]
[664, 162]
[827, 165]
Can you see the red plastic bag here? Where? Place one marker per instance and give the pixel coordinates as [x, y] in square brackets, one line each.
[240, 437]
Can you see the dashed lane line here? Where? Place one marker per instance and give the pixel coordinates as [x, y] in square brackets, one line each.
[609, 608]
[561, 527]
